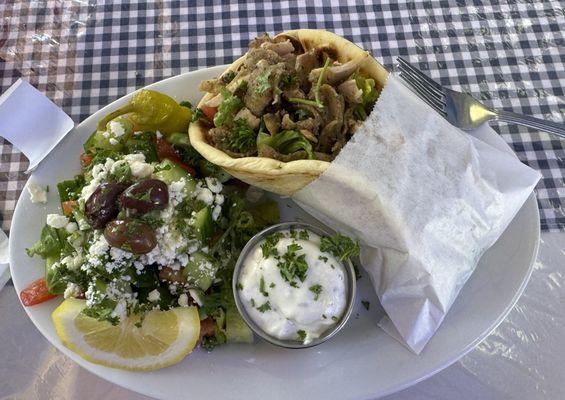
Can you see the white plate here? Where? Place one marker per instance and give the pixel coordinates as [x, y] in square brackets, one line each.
[359, 363]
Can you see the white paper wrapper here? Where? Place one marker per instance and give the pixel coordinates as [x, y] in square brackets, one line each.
[426, 199]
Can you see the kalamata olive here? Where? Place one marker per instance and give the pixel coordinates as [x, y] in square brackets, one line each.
[130, 235]
[102, 205]
[145, 196]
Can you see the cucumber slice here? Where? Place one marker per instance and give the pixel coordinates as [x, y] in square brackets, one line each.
[169, 172]
[200, 271]
[56, 282]
[203, 224]
[237, 330]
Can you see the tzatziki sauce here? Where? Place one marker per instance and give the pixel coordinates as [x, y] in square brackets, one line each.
[290, 288]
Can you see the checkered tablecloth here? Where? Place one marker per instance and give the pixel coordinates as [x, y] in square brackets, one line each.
[86, 54]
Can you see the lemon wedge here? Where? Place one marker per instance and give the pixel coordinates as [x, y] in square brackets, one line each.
[163, 339]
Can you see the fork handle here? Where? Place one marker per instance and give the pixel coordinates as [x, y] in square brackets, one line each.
[536, 123]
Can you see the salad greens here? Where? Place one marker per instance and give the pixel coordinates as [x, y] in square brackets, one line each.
[194, 234]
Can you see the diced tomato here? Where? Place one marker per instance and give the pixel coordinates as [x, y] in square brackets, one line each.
[85, 160]
[166, 150]
[36, 293]
[207, 327]
[209, 112]
[68, 207]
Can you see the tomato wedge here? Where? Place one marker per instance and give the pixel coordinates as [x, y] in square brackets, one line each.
[36, 293]
[68, 207]
[209, 112]
[166, 150]
[207, 327]
[85, 160]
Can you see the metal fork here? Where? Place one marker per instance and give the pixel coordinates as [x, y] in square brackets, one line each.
[461, 109]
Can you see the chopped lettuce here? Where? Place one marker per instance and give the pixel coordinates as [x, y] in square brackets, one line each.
[51, 242]
[286, 142]
[70, 189]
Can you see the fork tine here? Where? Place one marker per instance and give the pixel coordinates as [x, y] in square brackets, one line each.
[424, 89]
[424, 94]
[405, 66]
[437, 106]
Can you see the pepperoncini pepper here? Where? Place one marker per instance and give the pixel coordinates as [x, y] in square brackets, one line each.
[150, 110]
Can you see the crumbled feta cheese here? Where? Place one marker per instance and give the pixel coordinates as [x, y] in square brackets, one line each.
[108, 165]
[219, 199]
[158, 134]
[72, 290]
[216, 212]
[141, 169]
[116, 129]
[213, 184]
[205, 195]
[113, 141]
[154, 295]
[183, 300]
[72, 262]
[130, 158]
[120, 310]
[176, 191]
[183, 259]
[37, 193]
[57, 221]
[106, 134]
[71, 227]
[90, 295]
[99, 247]
[119, 254]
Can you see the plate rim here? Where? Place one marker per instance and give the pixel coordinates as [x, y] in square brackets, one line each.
[530, 202]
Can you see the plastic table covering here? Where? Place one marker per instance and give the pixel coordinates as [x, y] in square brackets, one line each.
[511, 54]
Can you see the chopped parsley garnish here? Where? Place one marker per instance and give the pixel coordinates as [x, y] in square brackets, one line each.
[242, 137]
[302, 235]
[340, 246]
[272, 285]
[186, 104]
[292, 265]
[324, 316]
[227, 109]
[239, 286]
[334, 318]
[289, 80]
[269, 247]
[323, 258]
[301, 334]
[262, 287]
[366, 304]
[266, 306]
[263, 83]
[316, 289]
[301, 114]
[252, 301]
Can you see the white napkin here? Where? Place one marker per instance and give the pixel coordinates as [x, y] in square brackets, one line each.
[426, 199]
[31, 122]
